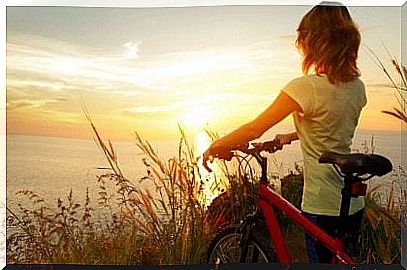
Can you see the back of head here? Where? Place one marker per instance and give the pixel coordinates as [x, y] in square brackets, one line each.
[329, 41]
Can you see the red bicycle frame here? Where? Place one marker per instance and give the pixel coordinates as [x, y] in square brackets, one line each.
[355, 166]
[269, 198]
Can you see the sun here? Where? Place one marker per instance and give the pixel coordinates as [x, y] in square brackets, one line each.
[202, 142]
[196, 117]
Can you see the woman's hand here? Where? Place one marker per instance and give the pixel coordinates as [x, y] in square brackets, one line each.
[286, 138]
[218, 149]
[208, 156]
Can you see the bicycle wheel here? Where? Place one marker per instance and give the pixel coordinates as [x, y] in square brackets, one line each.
[225, 248]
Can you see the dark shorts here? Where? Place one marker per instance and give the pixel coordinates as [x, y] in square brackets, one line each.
[347, 229]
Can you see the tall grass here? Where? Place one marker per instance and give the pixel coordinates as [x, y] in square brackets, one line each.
[173, 218]
[61, 234]
[381, 239]
[398, 84]
[169, 217]
[381, 232]
[164, 224]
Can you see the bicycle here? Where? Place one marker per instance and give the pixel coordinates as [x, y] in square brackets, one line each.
[242, 243]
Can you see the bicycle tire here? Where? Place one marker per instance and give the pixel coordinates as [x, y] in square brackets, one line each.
[225, 248]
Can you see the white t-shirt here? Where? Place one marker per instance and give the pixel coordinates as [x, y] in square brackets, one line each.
[328, 122]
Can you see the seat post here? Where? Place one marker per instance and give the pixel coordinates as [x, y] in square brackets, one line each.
[346, 196]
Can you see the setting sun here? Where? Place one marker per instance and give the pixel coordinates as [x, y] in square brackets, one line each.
[196, 117]
[202, 142]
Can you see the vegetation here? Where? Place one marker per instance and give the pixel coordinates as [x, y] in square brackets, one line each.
[399, 85]
[381, 232]
[383, 217]
[166, 224]
[165, 228]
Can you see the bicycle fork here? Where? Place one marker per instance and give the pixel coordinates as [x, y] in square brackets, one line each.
[248, 227]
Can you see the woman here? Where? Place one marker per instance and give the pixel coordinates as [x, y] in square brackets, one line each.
[326, 107]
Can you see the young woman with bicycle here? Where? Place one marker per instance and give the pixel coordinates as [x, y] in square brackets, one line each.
[326, 107]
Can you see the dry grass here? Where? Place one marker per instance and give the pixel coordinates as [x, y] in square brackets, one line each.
[380, 238]
[398, 84]
[164, 224]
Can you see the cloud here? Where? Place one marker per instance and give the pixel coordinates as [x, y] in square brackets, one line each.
[24, 103]
[38, 66]
[50, 63]
[214, 100]
[43, 85]
[29, 103]
[70, 62]
[152, 109]
[132, 49]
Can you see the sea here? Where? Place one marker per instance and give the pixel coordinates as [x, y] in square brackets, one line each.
[53, 167]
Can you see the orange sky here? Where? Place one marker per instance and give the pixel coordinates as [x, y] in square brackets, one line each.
[148, 70]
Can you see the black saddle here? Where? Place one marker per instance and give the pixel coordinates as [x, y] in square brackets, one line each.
[358, 163]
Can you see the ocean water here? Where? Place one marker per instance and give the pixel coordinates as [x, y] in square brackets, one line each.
[52, 167]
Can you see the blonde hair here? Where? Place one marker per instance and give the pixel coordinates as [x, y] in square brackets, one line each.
[329, 41]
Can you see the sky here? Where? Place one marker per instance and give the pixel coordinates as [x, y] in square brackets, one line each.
[150, 69]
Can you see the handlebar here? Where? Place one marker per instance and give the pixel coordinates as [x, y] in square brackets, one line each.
[255, 148]
[267, 146]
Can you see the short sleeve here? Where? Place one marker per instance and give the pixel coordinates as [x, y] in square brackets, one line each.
[300, 90]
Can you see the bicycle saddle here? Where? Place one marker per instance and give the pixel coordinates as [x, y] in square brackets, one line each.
[358, 163]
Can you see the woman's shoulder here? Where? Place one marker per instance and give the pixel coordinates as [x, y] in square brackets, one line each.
[316, 81]
[323, 79]
[310, 78]
[359, 82]
[302, 80]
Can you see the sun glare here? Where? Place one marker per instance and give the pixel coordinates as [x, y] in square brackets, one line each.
[213, 186]
[197, 117]
[202, 142]
[66, 66]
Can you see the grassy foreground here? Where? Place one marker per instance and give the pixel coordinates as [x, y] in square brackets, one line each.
[166, 224]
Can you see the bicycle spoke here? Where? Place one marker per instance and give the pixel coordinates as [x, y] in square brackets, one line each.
[255, 256]
[227, 249]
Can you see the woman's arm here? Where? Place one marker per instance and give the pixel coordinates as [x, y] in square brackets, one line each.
[277, 111]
